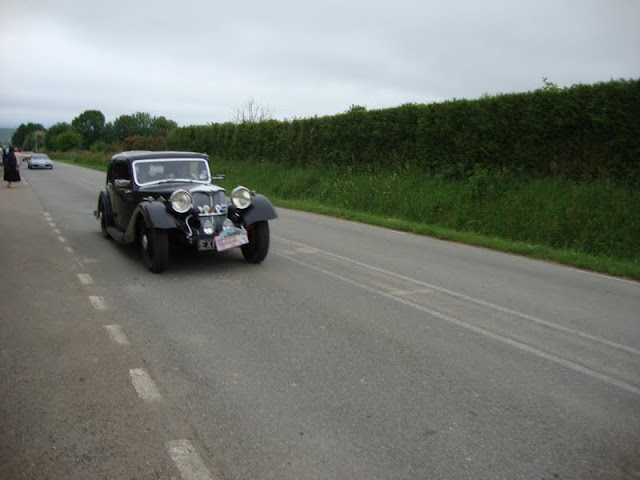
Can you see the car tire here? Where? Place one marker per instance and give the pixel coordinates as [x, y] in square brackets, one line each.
[103, 220]
[256, 250]
[154, 243]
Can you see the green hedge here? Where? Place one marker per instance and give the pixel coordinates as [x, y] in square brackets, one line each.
[582, 132]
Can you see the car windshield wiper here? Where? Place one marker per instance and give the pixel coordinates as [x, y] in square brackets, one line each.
[177, 180]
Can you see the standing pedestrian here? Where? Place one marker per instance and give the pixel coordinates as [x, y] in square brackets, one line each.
[11, 168]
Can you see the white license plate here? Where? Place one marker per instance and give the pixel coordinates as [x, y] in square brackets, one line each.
[230, 238]
[206, 244]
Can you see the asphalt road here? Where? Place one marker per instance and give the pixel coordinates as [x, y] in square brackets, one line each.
[352, 352]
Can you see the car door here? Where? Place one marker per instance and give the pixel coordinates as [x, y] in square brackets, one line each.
[121, 193]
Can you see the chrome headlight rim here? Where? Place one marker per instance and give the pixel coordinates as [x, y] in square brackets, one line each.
[181, 201]
[241, 197]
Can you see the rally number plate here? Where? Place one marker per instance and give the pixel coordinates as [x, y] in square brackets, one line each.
[230, 238]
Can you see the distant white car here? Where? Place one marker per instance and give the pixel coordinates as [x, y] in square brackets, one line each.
[39, 160]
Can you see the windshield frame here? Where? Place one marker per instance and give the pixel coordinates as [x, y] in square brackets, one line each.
[166, 171]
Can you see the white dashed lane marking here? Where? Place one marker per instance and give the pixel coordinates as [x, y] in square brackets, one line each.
[117, 334]
[57, 231]
[144, 385]
[182, 453]
[85, 279]
[187, 461]
[97, 302]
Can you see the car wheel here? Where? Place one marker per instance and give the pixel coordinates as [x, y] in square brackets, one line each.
[103, 220]
[256, 250]
[154, 244]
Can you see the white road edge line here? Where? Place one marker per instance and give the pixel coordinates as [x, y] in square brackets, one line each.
[144, 385]
[117, 334]
[461, 296]
[187, 461]
[514, 343]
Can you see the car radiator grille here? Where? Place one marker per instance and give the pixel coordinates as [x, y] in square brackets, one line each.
[210, 203]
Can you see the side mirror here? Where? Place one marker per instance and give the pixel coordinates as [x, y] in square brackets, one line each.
[122, 183]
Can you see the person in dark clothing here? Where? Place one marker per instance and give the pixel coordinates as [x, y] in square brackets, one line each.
[11, 168]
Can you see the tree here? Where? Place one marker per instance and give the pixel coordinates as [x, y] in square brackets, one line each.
[53, 132]
[251, 112]
[146, 142]
[38, 138]
[99, 146]
[125, 126]
[20, 135]
[68, 140]
[34, 140]
[89, 125]
[109, 133]
[356, 108]
[143, 123]
[140, 123]
[62, 137]
[549, 85]
[162, 124]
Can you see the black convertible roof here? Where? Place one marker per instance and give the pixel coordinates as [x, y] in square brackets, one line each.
[144, 154]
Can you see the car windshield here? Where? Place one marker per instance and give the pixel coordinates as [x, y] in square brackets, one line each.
[40, 156]
[169, 170]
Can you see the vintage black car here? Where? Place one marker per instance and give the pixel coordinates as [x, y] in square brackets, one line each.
[162, 198]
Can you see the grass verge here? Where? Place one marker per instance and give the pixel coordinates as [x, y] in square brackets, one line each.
[589, 225]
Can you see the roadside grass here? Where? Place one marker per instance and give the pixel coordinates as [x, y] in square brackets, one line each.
[592, 225]
[94, 160]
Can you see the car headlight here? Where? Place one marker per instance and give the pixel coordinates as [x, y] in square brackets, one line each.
[180, 201]
[241, 197]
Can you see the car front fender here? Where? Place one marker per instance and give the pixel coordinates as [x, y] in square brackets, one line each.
[104, 198]
[155, 215]
[260, 209]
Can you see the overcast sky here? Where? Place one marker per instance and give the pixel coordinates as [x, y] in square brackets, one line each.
[199, 61]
